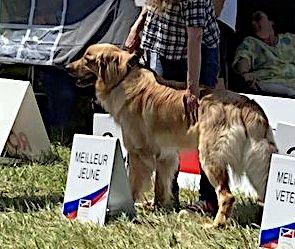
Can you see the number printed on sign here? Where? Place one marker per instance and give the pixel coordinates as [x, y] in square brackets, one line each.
[19, 142]
[290, 151]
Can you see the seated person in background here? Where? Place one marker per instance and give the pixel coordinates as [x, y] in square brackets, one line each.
[266, 60]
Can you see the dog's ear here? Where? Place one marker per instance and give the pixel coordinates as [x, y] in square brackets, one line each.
[90, 60]
[105, 61]
[90, 57]
[128, 60]
[111, 69]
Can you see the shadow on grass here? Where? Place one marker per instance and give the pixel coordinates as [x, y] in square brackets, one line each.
[28, 204]
[247, 212]
[20, 160]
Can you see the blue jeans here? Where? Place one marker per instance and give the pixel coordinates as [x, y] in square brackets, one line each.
[177, 69]
[168, 69]
[209, 66]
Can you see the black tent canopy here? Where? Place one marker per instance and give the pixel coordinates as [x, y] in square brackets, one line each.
[39, 32]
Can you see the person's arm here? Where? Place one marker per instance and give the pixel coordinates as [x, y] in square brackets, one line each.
[194, 40]
[243, 67]
[218, 5]
[139, 23]
[243, 61]
[133, 40]
[194, 35]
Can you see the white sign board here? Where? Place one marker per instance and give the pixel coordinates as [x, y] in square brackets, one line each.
[228, 13]
[278, 220]
[104, 125]
[139, 3]
[276, 109]
[285, 138]
[22, 132]
[97, 181]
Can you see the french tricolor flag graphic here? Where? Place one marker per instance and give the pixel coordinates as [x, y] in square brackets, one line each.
[287, 233]
[70, 209]
[269, 238]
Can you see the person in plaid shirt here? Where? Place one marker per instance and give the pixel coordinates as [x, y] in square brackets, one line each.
[178, 37]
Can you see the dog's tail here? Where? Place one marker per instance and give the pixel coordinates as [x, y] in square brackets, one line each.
[271, 140]
[264, 122]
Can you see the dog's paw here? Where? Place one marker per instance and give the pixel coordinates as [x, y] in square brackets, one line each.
[215, 225]
[186, 212]
[209, 225]
[148, 205]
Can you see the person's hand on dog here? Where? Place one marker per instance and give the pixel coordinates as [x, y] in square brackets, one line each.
[132, 42]
[191, 103]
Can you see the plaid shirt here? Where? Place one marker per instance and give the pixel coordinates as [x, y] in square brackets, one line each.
[165, 32]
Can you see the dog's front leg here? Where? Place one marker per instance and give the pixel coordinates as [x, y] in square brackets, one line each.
[167, 166]
[140, 172]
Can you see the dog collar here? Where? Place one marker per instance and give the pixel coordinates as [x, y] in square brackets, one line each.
[134, 61]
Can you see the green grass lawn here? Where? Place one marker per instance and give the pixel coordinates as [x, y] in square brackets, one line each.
[30, 217]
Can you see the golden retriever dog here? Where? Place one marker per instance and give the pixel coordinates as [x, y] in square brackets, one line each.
[230, 128]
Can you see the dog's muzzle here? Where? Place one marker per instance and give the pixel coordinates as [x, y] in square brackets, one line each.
[83, 81]
[86, 81]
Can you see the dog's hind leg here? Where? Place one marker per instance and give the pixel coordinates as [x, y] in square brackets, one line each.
[218, 176]
[167, 166]
[141, 167]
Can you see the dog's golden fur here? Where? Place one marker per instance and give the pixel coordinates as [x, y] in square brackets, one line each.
[231, 128]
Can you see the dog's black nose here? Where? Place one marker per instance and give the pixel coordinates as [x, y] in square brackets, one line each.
[68, 67]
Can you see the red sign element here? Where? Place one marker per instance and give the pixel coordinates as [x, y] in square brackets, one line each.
[19, 142]
[189, 161]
